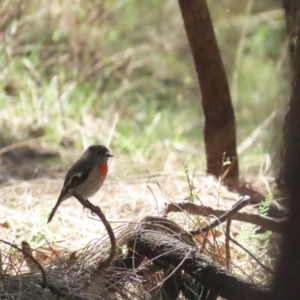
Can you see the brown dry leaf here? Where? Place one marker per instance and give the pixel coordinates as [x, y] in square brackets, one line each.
[210, 234]
[221, 256]
[200, 238]
[27, 253]
[46, 254]
[213, 233]
[4, 224]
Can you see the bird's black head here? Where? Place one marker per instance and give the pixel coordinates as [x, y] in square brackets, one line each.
[98, 150]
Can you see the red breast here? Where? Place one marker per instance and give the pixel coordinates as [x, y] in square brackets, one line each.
[103, 169]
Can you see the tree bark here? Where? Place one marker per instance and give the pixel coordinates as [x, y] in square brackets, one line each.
[219, 128]
[168, 251]
[290, 7]
[286, 282]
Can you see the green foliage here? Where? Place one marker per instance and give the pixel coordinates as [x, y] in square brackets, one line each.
[129, 60]
[256, 242]
[264, 206]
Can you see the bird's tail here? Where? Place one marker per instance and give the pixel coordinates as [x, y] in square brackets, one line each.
[59, 201]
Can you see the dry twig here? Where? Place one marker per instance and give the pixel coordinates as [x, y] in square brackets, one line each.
[228, 257]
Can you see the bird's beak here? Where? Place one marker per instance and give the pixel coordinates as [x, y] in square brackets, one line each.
[110, 155]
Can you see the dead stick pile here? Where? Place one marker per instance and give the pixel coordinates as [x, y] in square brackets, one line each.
[174, 255]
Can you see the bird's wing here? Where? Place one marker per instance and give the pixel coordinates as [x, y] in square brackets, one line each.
[74, 179]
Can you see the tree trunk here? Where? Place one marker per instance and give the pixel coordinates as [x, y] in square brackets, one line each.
[219, 130]
[286, 282]
[290, 7]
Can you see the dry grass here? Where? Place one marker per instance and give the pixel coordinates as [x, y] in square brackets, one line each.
[27, 204]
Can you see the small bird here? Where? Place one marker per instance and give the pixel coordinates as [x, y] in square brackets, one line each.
[86, 176]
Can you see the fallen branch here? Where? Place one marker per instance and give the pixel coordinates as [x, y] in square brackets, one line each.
[173, 252]
[265, 222]
[226, 216]
[96, 210]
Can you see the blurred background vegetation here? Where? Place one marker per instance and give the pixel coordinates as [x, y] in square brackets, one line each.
[77, 72]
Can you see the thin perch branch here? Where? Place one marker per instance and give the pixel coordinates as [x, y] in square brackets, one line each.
[96, 210]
